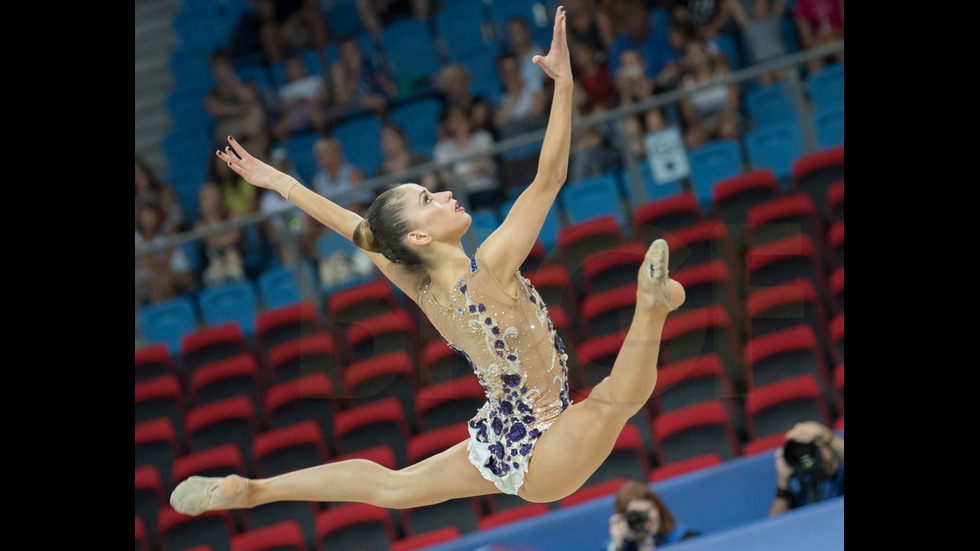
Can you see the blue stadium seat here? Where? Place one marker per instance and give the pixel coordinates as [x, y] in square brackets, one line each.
[201, 30]
[775, 146]
[258, 76]
[592, 197]
[360, 140]
[343, 19]
[300, 152]
[420, 121]
[279, 286]
[230, 302]
[484, 80]
[411, 55]
[484, 223]
[710, 163]
[168, 321]
[653, 190]
[730, 49]
[549, 230]
[187, 111]
[191, 71]
[828, 124]
[769, 104]
[188, 149]
[459, 24]
[827, 85]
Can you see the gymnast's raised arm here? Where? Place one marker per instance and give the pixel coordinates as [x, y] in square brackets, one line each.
[325, 211]
[506, 248]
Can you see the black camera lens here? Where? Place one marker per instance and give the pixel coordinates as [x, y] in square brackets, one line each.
[636, 520]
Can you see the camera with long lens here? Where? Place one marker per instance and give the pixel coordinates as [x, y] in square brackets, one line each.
[637, 520]
[805, 460]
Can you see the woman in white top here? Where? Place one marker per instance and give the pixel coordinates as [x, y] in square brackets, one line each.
[479, 176]
[711, 111]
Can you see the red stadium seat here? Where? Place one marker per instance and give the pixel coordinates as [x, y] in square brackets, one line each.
[514, 514]
[441, 535]
[693, 431]
[154, 361]
[314, 353]
[389, 375]
[839, 389]
[700, 244]
[281, 536]
[157, 445]
[219, 461]
[837, 290]
[777, 308]
[426, 444]
[220, 379]
[449, 403]
[776, 407]
[766, 444]
[440, 363]
[608, 312]
[212, 343]
[653, 219]
[784, 355]
[309, 398]
[284, 324]
[816, 172]
[374, 424]
[354, 526]
[835, 202]
[708, 284]
[150, 498]
[685, 466]
[179, 532]
[835, 245]
[161, 397]
[590, 492]
[628, 458]
[782, 261]
[578, 241]
[837, 338]
[732, 198]
[289, 449]
[783, 217]
[612, 268]
[594, 358]
[393, 331]
[689, 382]
[142, 538]
[693, 333]
[231, 420]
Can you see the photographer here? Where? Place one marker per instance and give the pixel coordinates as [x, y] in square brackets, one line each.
[809, 467]
[642, 521]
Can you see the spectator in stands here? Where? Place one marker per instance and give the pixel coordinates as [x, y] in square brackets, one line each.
[522, 44]
[290, 25]
[683, 32]
[358, 84]
[710, 17]
[304, 101]
[337, 179]
[643, 34]
[711, 111]
[479, 176]
[236, 195]
[150, 189]
[453, 83]
[295, 222]
[809, 467]
[587, 24]
[224, 250]
[641, 521]
[762, 27]
[376, 14]
[165, 274]
[234, 105]
[633, 85]
[398, 157]
[521, 108]
[590, 69]
[819, 22]
[590, 154]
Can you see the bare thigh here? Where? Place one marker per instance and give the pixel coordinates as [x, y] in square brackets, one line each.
[573, 448]
[444, 476]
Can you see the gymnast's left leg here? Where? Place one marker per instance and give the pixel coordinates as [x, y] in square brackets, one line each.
[444, 476]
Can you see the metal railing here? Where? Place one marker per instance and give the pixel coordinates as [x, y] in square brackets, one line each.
[788, 64]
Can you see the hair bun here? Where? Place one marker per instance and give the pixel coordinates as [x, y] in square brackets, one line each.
[364, 238]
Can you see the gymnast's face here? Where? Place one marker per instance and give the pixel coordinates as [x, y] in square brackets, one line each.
[437, 216]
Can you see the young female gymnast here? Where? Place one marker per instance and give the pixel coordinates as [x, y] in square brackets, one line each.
[528, 439]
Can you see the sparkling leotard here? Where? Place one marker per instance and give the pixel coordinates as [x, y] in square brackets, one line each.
[519, 359]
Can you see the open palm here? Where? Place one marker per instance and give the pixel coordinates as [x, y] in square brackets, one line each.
[556, 63]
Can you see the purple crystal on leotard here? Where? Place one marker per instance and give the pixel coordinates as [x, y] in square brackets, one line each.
[531, 298]
[534, 433]
[507, 408]
[496, 330]
[512, 358]
[481, 307]
[497, 449]
[488, 321]
[498, 344]
[523, 408]
[511, 380]
[517, 431]
[528, 419]
[525, 449]
[472, 308]
[497, 426]
[462, 288]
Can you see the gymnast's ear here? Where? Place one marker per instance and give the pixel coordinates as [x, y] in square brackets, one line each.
[418, 237]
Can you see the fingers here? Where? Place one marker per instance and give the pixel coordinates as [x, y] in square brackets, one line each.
[237, 148]
[229, 157]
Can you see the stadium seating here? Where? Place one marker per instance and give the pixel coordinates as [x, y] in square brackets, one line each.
[693, 431]
[710, 163]
[776, 407]
[653, 219]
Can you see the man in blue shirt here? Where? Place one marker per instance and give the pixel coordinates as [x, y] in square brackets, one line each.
[646, 35]
[809, 468]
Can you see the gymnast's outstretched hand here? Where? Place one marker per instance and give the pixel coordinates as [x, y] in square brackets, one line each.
[556, 63]
[255, 171]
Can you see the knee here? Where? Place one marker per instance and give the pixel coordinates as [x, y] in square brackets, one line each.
[611, 409]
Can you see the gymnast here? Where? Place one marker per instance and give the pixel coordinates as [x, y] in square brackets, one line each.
[528, 439]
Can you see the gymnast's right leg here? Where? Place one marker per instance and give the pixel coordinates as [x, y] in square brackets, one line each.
[444, 476]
